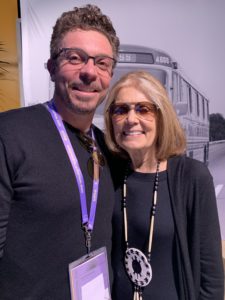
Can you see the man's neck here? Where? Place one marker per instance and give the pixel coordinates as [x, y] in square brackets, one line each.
[79, 121]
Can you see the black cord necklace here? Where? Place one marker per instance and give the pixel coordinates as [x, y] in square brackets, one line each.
[137, 264]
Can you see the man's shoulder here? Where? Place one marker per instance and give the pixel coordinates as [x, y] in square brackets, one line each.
[20, 117]
[20, 112]
[23, 123]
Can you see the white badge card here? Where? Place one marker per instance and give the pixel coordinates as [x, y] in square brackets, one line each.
[89, 277]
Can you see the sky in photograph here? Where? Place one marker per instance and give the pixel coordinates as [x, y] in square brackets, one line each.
[192, 32]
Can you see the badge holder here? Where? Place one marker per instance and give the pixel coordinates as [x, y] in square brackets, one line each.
[89, 277]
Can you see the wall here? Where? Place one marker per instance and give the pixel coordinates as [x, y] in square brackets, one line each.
[9, 81]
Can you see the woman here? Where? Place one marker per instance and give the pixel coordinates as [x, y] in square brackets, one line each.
[166, 236]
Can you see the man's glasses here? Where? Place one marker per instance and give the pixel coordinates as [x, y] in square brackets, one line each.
[143, 110]
[78, 58]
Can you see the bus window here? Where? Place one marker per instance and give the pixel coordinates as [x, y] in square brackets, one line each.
[194, 101]
[190, 99]
[197, 104]
[207, 109]
[119, 71]
[183, 90]
[203, 108]
[175, 94]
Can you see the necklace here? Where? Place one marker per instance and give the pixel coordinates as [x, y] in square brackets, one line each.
[137, 264]
[89, 143]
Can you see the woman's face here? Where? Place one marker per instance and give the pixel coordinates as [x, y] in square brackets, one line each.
[134, 122]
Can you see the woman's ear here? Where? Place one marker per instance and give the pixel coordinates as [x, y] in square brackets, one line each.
[51, 66]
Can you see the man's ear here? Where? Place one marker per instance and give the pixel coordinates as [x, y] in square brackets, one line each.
[51, 66]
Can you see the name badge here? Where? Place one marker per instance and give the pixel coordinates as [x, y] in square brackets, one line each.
[89, 277]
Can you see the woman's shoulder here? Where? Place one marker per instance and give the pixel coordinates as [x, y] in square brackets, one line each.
[187, 166]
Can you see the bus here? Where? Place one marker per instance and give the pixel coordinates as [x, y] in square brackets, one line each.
[191, 105]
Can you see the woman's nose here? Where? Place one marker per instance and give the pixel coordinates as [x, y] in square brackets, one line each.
[132, 116]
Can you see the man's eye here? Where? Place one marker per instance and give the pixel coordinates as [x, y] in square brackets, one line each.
[74, 58]
[103, 62]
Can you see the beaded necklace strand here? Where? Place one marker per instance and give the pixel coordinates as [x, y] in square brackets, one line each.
[137, 264]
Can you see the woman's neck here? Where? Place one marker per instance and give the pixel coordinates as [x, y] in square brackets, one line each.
[144, 166]
[143, 162]
[148, 165]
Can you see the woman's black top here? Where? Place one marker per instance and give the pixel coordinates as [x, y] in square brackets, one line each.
[139, 202]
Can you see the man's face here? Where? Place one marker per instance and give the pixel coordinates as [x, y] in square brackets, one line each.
[81, 88]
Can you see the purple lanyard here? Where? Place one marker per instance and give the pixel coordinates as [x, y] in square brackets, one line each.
[89, 222]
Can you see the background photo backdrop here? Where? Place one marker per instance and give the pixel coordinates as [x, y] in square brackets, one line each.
[192, 32]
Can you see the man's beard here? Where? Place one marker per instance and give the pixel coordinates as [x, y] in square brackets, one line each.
[79, 106]
[82, 107]
[79, 109]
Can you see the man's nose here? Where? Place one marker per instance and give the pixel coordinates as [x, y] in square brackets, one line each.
[88, 71]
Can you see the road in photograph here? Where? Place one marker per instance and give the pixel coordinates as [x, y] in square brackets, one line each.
[217, 169]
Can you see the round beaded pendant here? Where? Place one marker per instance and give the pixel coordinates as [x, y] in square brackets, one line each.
[137, 266]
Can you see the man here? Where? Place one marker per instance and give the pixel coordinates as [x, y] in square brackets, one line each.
[42, 225]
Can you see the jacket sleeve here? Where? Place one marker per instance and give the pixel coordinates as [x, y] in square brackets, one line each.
[198, 232]
[211, 264]
[6, 193]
